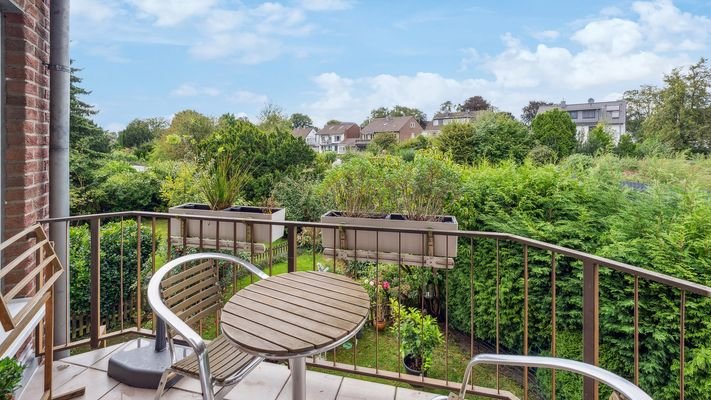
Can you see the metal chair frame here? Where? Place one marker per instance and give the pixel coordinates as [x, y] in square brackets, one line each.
[161, 310]
[620, 385]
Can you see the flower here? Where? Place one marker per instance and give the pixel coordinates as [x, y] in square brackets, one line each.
[386, 285]
[372, 283]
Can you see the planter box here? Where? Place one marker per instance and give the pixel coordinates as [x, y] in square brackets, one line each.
[416, 249]
[229, 231]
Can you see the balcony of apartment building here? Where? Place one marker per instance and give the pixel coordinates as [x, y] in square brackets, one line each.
[119, 253]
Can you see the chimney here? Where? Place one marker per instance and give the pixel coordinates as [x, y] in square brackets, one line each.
[591, 100]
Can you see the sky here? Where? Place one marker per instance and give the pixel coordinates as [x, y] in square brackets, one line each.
[338, 59]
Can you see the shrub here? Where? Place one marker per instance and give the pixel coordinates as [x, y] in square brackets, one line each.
[555, 129]
[541, 155]
[456, 140]
[383, 142]
[179, 182]
[222, 183]
[599, 141]
[10, 376]
[626, 147]
[301, 199]
[419, 334]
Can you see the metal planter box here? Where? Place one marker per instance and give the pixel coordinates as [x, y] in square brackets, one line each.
[426, 249]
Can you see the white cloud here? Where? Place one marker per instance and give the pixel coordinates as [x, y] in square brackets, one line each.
[244, 96]
[326, 5]
[93, 10]
[171, 12]
[193, 90]
[547, 35]
[610, 54]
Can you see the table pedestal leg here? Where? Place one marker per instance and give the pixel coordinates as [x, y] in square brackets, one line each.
[298, 378]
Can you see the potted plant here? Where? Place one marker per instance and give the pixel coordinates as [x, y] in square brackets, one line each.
[388, 192]
[221, 185]
[378, 292]
[10, 377]
[419, 336]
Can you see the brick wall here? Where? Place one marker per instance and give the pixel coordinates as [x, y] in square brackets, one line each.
[26, 119]
[26, 158]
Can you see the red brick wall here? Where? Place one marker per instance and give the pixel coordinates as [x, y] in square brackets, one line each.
[407, 131]
[26, 158]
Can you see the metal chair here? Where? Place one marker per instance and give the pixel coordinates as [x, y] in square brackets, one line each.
[184, 298]
[620, 385]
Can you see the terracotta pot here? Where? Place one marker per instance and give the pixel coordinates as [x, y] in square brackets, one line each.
[380, 324]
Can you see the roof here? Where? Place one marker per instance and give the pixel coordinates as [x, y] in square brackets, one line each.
[348, 142]
[458, 114]
[336, 129]
[594, 105]
[387, 124]
[302, 132]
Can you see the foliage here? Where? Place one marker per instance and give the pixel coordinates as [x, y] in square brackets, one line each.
[682, 114]
[383, 142]
[455, 140]
[221, 184]
[555, 129]
[398, 111]
[419, 334]
[299, 120]
[180, 141]
[121, 188]
[10, 376]
[626, 147]
[419, 142]
[333, 122]
[599, 141]
[529, 111]
[178, 182]
[300, 197]
[447, 106]
[140, 132]
[541, 155]
[272, 119]
[640, 105]
[84, 134]
[272, 156]
[475, 103]
[118, 265]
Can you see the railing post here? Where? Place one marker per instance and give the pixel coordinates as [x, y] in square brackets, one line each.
[591, 324]
[95, 283]
[291, 243]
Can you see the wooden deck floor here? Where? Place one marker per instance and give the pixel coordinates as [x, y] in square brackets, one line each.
[268, 381]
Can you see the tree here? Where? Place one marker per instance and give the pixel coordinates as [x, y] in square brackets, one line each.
[626, 147]
[682, 116]
[141, 131]
[555, 129]
[475, 103]
[528, 113]
[640, 104]
[398, 111]
[333, 122]
[383, 142]
[84, 133]
[446, 106]
[272, 118]
[456, 139]
[599, 141]
[299, 120]
[180, 141]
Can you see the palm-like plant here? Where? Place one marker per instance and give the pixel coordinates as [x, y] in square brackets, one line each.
[223, 181]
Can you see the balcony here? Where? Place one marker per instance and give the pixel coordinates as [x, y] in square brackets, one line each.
[109, 311]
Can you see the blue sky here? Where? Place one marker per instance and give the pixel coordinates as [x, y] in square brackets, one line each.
[338, 59]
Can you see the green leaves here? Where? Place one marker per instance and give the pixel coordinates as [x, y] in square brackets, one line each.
[555, 129]
[10, 376]
[419, 333]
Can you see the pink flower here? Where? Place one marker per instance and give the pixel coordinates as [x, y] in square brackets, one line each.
[386, 285]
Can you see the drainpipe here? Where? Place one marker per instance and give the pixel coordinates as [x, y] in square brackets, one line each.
[59, 75]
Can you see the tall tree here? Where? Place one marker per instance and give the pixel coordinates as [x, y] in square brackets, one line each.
[84, 133]
[555, 129]
[475, 103]
[640, 104]
[333, 122]
[181, 139]
[397, 111]
[141, 131]
[299, 120]
[446, 106]
[529, 111]
[272, 118]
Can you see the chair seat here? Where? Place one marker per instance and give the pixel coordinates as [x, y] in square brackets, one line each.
[225, 360]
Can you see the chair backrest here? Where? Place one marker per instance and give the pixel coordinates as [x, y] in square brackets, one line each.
[193, 293]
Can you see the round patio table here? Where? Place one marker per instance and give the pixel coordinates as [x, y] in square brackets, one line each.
[295, 315]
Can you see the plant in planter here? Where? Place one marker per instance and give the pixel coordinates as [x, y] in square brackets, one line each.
[10, 377]
[419, 336]
[387, 192]
[221, 185]
[379, 293]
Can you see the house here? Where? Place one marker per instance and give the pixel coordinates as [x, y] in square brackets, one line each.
[331, 137]
[586, 116]
[405, 127]
[308, 133]
[444, 118]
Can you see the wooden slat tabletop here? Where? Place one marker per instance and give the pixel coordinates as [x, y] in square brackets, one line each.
[295, 313]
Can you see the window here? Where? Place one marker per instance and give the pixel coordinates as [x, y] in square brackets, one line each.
[435, 122]
[412, 124]
[613, 114]
[587, 114]
[573, 114]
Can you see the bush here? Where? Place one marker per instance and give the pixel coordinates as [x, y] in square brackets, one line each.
[555, 129]
[301, 199]
[10, 376]
[599, 141]
[113, 245]
[456, 140]
[541, 155]
[179, 182]
[419, 334]
[626, 147]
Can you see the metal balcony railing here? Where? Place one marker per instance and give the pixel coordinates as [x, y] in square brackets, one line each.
[500, 252]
